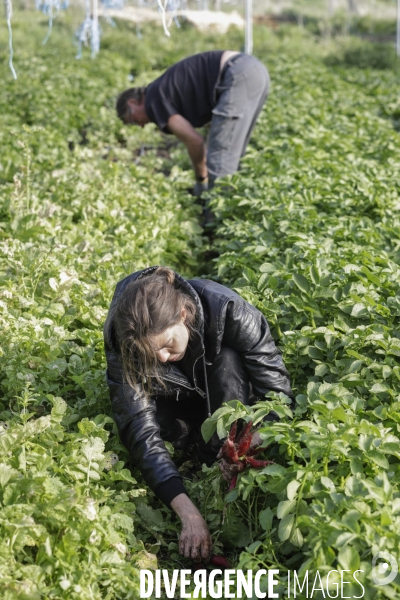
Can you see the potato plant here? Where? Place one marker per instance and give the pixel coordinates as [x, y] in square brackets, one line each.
[308, 231]
[84, 202]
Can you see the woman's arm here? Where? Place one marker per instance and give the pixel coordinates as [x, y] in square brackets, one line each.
[246, 331]
[139, 432]
[135, 417]
[195, 540]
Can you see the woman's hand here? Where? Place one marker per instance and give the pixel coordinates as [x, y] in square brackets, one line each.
[195, 540]
[229, 470]
[256, 440]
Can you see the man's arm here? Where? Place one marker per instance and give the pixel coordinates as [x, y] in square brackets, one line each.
[193, 141]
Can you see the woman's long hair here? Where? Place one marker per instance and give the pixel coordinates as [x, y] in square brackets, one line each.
[147, 307]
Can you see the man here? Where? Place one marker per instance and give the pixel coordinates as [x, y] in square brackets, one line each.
[225, 87]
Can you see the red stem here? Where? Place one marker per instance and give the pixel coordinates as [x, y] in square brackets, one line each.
[232, 483]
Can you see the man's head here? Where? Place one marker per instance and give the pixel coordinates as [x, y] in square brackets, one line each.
[130, 107]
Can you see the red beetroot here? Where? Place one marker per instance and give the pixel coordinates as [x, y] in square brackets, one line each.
[254, 451]
[240, 434]
[232, 452]
[232, 433]
[258, 464]
[239, 452]
[232, 483]
[244, 442]
[220, 561]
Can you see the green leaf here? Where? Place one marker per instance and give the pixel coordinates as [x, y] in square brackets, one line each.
[345, 538]
[222, 430]
[371, 277]
[267, 268]
[266, 516]
[301, 282]
[208, 429]
[6, 472]
[292, 488]
[386, 519]
[315, 275]
[93, 449]
[285, 507]
[379, 388]
[231, 496]
[59, 408]
[274, 470]
[378, 458]
[321, 370]
[350, 519]
[349, 558]
[153, 517]
[296, 538]
[315, 353]
[252, 549]
[359, 310]
[328, 483]
[285, 527]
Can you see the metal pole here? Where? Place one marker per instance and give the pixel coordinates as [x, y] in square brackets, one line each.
[248, 34]
[398, 29]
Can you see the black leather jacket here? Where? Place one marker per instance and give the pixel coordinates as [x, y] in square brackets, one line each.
[222, 317]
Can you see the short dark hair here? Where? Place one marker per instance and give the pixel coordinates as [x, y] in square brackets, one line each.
[136, 93]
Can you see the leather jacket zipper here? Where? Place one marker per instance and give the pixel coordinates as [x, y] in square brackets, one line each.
[198, 390]
[184, 384]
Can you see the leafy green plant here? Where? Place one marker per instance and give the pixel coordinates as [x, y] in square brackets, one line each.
[309, 235]
[364, 55]
[308, 231]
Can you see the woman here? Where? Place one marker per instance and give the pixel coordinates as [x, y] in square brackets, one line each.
[176, 350]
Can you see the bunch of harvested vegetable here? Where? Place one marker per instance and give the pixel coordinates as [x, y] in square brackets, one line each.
[239, 450]
[215, 561]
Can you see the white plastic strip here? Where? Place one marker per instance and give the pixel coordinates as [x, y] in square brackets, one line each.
[163, 15]
[8, 17]
[95, 37]
[50, 23]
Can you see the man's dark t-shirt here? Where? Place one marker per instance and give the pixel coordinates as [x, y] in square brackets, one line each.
[186, 89]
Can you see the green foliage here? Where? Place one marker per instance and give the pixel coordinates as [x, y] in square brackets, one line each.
[84, 202]
[61, 522]
[365, 55]
[308, 232]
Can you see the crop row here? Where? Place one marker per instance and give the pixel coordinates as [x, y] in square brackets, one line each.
[80, 208]
[314, 244]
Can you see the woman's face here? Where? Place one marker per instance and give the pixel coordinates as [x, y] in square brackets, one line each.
[171, 344]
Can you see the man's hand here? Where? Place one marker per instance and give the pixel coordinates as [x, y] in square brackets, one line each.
[200, 187]
[195, 540]
[193, 141]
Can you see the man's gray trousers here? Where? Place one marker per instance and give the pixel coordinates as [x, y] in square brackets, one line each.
[241, 94]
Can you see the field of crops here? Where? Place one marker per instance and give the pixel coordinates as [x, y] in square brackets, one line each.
[308, 232]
